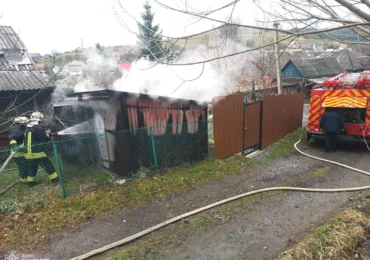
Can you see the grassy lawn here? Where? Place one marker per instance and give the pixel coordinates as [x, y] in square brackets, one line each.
[21, 196]
[37, 220]
[77, 178]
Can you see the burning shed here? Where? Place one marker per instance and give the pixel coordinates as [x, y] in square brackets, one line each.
[135, 130]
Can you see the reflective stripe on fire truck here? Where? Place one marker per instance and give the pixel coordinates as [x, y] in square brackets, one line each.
[316, 109]
[367, 119]
[350, 102]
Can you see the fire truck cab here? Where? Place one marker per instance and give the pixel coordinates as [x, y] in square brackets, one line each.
[349, 94]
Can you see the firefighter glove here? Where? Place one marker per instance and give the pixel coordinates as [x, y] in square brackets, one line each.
[16, 148]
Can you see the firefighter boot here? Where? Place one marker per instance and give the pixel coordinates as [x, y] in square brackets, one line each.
[56, 180]
[31, 183]
[54, 177]
[32, 170]
[24, 180]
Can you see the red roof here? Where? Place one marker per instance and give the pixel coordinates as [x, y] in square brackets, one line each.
[40, 66]
[124, 66]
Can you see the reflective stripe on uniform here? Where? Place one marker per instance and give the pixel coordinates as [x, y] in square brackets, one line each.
[53, 176]
[31, 179]
[35, 155]
[18, 154]
[24, 180]
[29, 143]
[48, 135]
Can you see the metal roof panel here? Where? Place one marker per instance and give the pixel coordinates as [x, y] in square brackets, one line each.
[21, 80]
[9, 39]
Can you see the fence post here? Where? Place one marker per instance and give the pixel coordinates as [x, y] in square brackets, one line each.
[243, 131]
[261, 124]
[106, 139]
[59, 170]
[153, 149]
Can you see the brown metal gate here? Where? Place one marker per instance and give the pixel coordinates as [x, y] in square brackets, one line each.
[239, 127]
[282, 114]
[252, 125]
[228, 125]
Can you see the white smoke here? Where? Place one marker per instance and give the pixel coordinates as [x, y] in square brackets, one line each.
[194, 82]
[98, 72]
[217, 78]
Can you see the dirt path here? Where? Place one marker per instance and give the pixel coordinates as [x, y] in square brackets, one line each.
[259, 234]
[264, 234]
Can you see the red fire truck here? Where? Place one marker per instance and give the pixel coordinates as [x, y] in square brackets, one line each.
[349, 94]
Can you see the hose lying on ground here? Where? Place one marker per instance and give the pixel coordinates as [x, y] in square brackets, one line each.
[13, 184]
[9, 187]
[196, 211]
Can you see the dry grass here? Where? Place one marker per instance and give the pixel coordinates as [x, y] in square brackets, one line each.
[320, 172]
[338, 239]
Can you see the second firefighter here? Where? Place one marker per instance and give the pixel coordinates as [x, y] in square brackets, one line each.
[16, 138]
[35, 155]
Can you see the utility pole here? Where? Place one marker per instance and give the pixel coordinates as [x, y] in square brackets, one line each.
[253, 92]
[277, 54]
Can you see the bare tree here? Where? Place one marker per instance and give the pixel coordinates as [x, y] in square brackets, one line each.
[230, 31]
[331, 12]
[298, 19]
[54, 56]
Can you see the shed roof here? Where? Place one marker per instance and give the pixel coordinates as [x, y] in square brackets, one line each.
[365, 62]
[289, 55]
[15, 77]
[106, 94]
[6, 65]
[348, 60]
[17, 71]
[317, 67]
[21, 80]
[9, 39]
[330, 65]
[285, 56]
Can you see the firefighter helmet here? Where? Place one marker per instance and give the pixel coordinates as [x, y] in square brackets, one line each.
[22, 120]
[36, 116]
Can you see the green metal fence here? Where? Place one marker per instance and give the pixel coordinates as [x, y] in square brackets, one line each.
[85, 162]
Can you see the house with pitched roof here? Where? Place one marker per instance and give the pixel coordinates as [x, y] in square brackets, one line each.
[325, 66]
[23, 89]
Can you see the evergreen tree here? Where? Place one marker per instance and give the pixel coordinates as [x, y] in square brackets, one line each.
[98, 47]
[150, 36]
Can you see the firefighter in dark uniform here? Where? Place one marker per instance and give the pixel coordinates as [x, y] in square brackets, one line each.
[332, 123]
[16, 138]
[35, 135]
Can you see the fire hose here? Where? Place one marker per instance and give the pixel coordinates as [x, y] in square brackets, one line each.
[3, 168]
[218, 203]
[7, 162]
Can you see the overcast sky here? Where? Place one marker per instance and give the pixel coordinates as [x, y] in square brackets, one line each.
[44, 25]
